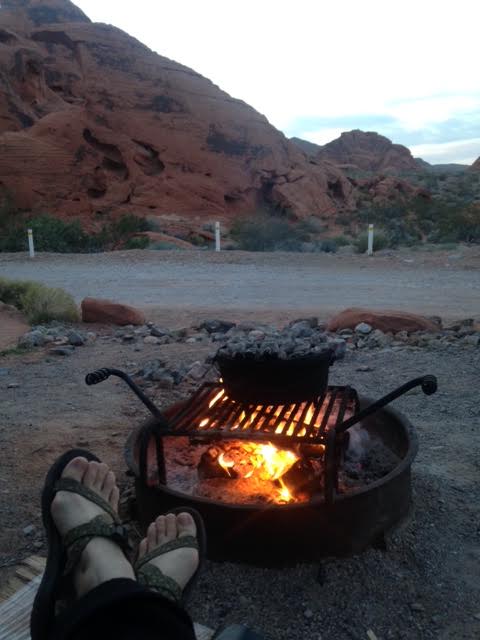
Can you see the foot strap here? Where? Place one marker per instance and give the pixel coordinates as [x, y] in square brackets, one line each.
[101, 526]
[153, 578]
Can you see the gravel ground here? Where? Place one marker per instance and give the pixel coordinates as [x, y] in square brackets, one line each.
[424, 585]
[321, 283]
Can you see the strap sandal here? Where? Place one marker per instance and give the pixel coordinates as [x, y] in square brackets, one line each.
[64, 552]
[153, 578]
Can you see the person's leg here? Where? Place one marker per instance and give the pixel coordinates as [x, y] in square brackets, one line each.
[109, 602]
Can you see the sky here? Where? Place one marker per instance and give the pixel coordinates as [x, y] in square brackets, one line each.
[407, 70]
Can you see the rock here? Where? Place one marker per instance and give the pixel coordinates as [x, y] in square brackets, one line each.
[38, 544]
[339, 347]
[364, 368]
[91, 337]
[301, 329]
[217, 326]
[197, 370]
[158, 332]
[256, 335]
[386, 321]
[13, 385]
[151, 340]
[32, 339]
[311, 322]
[128, 337]
[100, 142]
[472, 340]
[308, 613]
[379, 339]
[363, 328]
[106, 311]
[75, 339]
[417, 607]
[62, 351]
[29, 530]
[4, 372]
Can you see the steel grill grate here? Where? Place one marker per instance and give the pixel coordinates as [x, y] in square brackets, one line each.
[226, 418]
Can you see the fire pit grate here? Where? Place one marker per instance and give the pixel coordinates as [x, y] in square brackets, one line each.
[210, 412]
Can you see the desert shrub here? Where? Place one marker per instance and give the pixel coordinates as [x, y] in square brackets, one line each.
[38, 302]
[342, 241]
[138, 242]
[328, 246]
[380, 241]
[267, 233]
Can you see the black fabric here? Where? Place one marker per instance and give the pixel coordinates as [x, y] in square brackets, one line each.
[122, 609]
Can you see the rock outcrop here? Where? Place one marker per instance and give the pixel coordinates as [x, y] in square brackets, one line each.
[108, 312]
[476, 165]
[386, 321]
[93, 123]
[364, 150]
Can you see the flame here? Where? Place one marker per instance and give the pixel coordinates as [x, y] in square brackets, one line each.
[225, 464]
[268, 462]
[216, 398]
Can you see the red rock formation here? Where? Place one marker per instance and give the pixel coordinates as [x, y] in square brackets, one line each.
[92, 122]
[476, 165]
[108, 312]
[386, 321]
[365, 150]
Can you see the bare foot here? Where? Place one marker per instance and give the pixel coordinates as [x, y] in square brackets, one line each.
[179, 564]
[101, 559]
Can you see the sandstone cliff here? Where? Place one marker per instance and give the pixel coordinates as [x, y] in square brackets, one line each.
[92, 122]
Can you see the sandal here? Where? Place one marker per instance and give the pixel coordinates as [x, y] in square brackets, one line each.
[153, 578]
[64, 553]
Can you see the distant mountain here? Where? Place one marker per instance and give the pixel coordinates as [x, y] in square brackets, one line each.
[441, 168]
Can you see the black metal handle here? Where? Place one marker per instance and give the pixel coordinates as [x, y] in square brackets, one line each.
[103, 374]
[429, 386]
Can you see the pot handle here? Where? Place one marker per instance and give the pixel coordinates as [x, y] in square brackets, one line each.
[429, 387]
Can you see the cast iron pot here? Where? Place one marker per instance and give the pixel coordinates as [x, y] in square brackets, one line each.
[275, 381]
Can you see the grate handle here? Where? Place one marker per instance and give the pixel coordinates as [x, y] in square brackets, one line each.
[100, 375]
[429, 386]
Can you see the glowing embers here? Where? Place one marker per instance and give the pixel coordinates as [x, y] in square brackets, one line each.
[280, 475]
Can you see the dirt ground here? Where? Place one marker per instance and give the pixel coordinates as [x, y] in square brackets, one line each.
[321, 283]
[424, 585]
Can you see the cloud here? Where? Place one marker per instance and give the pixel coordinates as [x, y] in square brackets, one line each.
[457, 151]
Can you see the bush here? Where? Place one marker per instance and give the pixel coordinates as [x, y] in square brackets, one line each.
[380, 241]
[38, 302]
[265, 233]
[328, 246]
[138, 242]
[59, 236]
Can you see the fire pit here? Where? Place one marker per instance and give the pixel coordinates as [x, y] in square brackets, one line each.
[276, 483]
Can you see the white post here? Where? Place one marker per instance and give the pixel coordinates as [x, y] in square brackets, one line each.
[370, 240]
[31, 248]
[217, 236]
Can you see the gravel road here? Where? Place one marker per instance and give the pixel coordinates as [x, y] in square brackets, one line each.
[434, 283]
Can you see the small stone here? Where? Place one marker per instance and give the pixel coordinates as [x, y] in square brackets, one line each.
[29, 530]
[417, 606]
[476, 616]
[363, 328]
[256, 335]
[91, 337]
[38, 544]
[364, 368]
[308, 613]
[4, 372]
[75, 339]
[472, 340]
[128, 337]
[190, 341]
[158, 332]
[217, 326]
[151, 340]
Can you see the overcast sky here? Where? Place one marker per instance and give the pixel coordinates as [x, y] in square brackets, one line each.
[315, 68]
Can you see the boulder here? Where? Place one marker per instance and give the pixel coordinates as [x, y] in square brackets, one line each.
[386, 321]
[106, 311]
